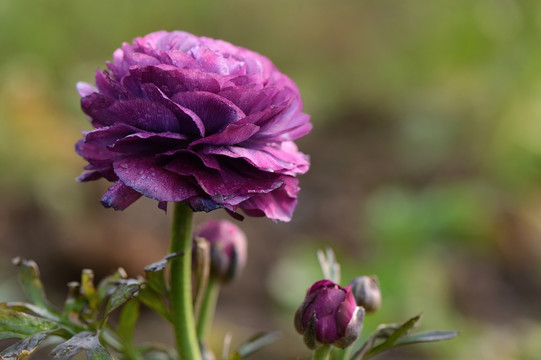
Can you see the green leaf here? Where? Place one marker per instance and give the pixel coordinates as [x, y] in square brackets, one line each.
[127, 321]
[125, 290]
[152, 300]
[16, 324]
[390, 333]
[88, 290]
[86, 341]
[32, 286]
[254, 344]
[156, 278]
[74, 305]
[109, 284]
[24, 348]
[27, 308]
[428, 336]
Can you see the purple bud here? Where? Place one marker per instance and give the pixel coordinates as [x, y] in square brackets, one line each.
[329, 315]
[366, 292]
[227, 249]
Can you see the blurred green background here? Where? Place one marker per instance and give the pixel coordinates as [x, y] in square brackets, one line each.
[426, 161]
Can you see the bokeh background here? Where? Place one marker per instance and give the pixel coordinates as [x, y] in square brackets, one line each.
[426, 161]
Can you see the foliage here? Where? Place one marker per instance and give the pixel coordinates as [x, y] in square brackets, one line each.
[84, 322]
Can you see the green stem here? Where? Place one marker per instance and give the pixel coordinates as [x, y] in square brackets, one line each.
[341, 354]
[207, 308]
[181, 283]
[322, 353]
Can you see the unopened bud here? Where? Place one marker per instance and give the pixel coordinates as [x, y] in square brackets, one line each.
[227, 249]
[329, 315]
[366, 292]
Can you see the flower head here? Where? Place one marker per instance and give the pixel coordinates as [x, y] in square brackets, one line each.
[366, 292]
[185, 118]
[227, 248]
[329, 315]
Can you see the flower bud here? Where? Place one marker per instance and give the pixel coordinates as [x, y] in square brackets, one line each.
[227, 249]
[366, 292]
[329, 315]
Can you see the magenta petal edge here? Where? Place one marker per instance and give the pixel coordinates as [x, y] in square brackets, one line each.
[178, 117]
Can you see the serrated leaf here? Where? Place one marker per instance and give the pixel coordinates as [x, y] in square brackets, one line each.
[108, 284]
[390, 333]
[32, 286]
[151, 299]
[125, 290]
[254, 344]
[15, 324]
[86, 341]
[382, 332]
[24, 348]
[156, 277]
[401, 331]
[427, 336]
[27, 308]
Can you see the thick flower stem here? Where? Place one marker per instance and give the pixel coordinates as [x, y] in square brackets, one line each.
[322, 353]
[341, 354]
[181, 284]
[207, 308]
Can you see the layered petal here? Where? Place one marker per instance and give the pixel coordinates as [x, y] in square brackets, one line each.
[184, 118]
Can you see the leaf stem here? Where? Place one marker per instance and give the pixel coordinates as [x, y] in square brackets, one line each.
[181, 284]
[208, 306]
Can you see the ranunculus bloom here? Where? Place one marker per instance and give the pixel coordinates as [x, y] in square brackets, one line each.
[227, 248]
[329, 315]
[185, 118]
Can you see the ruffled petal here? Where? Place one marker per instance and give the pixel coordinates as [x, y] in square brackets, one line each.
[141, 113]
[278, 204]
[232, 134]
[119, 196]
[271, 158]
[216, 112]
[150, 179]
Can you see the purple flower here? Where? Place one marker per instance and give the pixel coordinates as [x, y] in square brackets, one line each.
[329, 315]
[227, 248]
[185, 118]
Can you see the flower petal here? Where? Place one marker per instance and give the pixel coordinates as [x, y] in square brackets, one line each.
[149, 143]
[119, 196]
[277, 204]
[141, 113]
[171, 79]
[232, 134]
[152, 180]
[216, 112]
